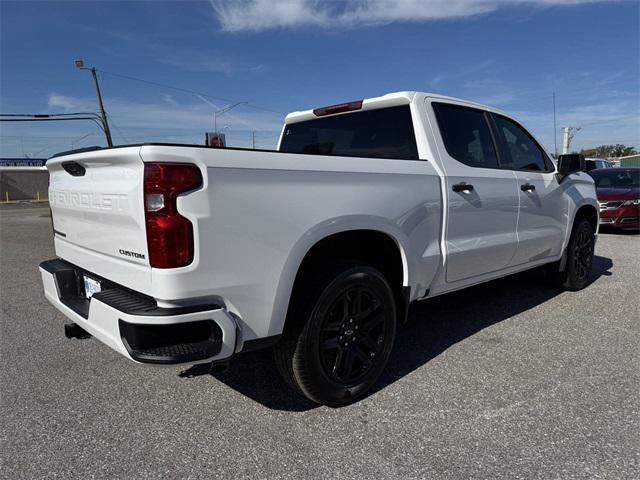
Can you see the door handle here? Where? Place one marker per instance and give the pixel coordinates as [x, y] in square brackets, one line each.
[462, 187]
[527, 187]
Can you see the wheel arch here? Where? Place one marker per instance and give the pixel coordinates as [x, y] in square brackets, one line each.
[588, 212]
[359, 242]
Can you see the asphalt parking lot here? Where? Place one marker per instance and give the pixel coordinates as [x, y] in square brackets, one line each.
[513, 379]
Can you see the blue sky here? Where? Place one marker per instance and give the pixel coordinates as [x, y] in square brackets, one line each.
[300, 54]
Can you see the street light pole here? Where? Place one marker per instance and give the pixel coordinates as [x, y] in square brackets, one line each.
[103, 114]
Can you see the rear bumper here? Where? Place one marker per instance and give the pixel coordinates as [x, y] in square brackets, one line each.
[134, 326]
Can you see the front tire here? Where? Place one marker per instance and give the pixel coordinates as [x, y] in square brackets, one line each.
[340, 331]
[579, 261]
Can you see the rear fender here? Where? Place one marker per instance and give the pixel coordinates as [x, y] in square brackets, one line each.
[314, 235]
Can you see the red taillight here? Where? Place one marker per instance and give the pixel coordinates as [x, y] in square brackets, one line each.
[169, 234]
[343, 107]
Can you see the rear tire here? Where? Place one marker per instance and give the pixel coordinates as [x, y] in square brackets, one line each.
[579, 261]
[340, 331]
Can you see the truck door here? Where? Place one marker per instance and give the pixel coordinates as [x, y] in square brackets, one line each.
[543, 208]
[482, 206]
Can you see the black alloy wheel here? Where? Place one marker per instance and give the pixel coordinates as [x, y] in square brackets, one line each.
[583, 254]
[352, 335]
[579, 258]
[339, 333]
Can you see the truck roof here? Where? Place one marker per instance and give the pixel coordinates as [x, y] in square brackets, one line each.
[391, 100]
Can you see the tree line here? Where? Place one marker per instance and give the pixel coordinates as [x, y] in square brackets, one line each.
[608, 151]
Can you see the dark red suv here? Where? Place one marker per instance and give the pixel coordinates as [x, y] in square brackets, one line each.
[618, 192]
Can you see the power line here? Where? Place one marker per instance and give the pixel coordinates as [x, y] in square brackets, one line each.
[617, 119]
[56, 117]
[187, 90]
[37, 136]
[119, 131]
[46, 119]
[47, 115]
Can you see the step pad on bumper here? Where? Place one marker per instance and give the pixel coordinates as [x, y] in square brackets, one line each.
[172, 343]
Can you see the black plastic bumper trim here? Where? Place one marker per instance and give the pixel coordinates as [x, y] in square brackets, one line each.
[260, 343]
[173, 343]
[405, 299]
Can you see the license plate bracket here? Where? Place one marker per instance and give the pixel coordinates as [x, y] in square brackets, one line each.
[91, 286]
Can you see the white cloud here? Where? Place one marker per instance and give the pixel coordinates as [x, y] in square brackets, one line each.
[435, 81]
[258, 15]
[266, 14]
[168, 99]
[57, 100]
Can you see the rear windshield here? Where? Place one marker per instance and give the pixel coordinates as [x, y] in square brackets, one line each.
[613, 178]
[381, 133]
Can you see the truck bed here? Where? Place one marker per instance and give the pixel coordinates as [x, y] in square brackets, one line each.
[254, 218]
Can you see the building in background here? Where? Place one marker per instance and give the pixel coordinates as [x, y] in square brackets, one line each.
[629, 160]
[23, 179]
[22, 162]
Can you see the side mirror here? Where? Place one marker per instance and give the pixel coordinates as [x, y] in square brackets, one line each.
[571, 163]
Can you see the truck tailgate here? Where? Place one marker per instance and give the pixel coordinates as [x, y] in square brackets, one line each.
[97, 207]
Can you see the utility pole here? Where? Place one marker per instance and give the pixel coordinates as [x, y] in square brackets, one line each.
[103, 114]
[567, 135]
[253, 139]
[555, 127]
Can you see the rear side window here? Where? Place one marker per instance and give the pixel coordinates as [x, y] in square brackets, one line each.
[522, 151]
[466, 135]
[381, 133]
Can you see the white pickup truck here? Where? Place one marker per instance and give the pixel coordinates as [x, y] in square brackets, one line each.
[183, 254]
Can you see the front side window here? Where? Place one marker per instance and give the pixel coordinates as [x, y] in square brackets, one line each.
[381, 133]
[466, 135]
[521, 151]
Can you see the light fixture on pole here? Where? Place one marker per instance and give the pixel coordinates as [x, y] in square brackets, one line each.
[222, 111]
[77, 140]
[80, 66]
[568, 134]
